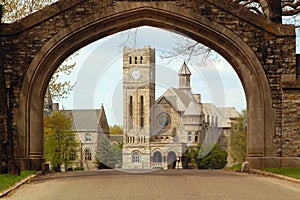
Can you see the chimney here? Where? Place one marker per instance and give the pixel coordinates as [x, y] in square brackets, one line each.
[198, 98]
[55, 106]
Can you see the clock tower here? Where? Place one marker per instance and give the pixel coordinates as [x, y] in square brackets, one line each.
[138, 98]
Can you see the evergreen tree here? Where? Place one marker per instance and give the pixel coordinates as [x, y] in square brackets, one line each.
[107, 154]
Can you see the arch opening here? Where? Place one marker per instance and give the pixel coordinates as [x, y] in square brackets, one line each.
[57, 49]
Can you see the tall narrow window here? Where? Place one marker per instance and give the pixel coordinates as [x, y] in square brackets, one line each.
[136, 158]
[88, 154]
[130, 112]
[141, 60]
[196, 136]
[142, 111]
[135, 60]
[130, 106]
[189, 136]
[130, 60]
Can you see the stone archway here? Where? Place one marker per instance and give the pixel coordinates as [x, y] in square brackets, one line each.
[241, 51]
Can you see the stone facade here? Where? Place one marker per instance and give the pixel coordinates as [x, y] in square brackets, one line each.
[89, 125]
[262, 53]
[157, 134]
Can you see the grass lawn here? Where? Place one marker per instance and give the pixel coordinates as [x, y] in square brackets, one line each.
[8, 180]
[291, 172]
[236, 167]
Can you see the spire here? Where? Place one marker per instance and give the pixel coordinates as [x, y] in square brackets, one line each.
[184, 70]
[102, 121]
[184, 77]
[48, 101]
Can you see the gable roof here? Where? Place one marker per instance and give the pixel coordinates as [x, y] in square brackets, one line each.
[102, 121]
[192, 110]
[178, 99]
[223, 114]
[84, 120]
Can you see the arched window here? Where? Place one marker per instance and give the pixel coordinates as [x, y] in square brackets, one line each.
[87, 154]
[157, 157]
[88, 137]
[142, 111]
[135, 157]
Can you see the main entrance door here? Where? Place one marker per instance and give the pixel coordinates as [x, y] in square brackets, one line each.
[171, 160]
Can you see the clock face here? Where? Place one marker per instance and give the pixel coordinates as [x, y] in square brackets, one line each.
[136, 74]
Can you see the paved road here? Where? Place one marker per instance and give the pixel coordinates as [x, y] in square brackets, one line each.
[167, 184]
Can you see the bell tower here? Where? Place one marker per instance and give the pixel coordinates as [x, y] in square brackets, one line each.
[138, 98]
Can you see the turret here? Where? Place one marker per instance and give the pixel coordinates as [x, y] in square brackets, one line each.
[184, 77]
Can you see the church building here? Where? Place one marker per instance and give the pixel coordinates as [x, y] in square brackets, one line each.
[158, 131]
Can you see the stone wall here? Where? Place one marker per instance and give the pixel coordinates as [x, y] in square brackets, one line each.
[274, 45]
[3, 122]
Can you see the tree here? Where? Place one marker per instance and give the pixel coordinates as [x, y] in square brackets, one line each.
[215, 159]
[115, 130]
[60, 89]
[238, 138]
[16, 9]
[60, 140]
[192, 154]
[273, 10]
[107, 154]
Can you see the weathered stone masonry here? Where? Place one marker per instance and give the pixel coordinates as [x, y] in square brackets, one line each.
[272, 44]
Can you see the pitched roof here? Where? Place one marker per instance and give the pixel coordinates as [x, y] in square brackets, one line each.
[102, 121]
[223, 114]
[84, 120]
[192, 109]
[179, 99]
[230, 112]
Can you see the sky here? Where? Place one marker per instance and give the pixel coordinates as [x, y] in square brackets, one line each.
[98, 73]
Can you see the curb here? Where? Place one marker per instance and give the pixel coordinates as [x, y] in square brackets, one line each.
[259, 172]
[18, 184]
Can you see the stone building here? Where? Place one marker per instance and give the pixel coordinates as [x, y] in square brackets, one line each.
[89, 125]
[157, 132]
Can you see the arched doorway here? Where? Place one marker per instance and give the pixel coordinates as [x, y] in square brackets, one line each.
[171, 160]
[59, 47]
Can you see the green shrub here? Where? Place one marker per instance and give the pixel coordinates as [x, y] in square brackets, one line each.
[78, 169]
[216, 159]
